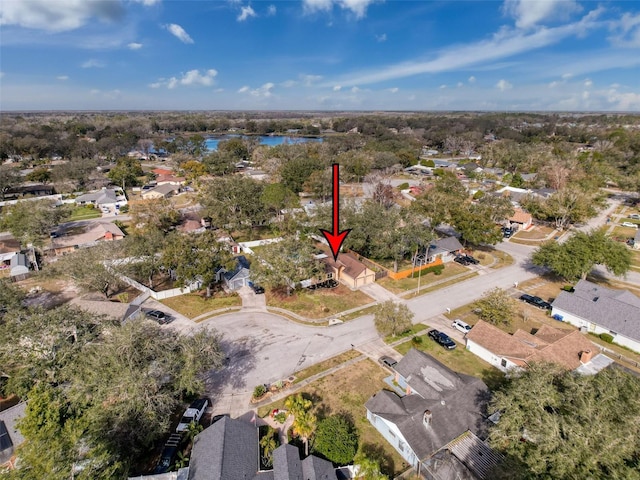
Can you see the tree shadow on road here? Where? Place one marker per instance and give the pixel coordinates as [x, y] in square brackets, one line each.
[239, 361]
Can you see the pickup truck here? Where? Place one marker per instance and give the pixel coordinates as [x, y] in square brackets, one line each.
[192, 414]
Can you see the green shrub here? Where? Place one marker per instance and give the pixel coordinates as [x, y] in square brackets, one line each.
[606, 337]
[259, 391]
[403, 186]
[416, 340]
[436, 270]
[124, 209]
[280, 417]
[568, 288]
[430, 163]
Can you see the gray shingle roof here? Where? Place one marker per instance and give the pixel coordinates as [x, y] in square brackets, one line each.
[615, 310]
[286, 463]
[10, 436]
[227, 450]
[457, 403]
[316, 468]
[449, 244]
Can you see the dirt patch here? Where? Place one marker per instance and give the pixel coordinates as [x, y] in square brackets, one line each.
[47, 293]
[538, 232]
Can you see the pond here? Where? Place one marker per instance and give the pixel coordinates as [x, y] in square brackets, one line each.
[269, 140]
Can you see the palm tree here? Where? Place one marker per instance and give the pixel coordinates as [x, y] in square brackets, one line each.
[268, 444]
[193, 429]
[297, 404]
[304, 426]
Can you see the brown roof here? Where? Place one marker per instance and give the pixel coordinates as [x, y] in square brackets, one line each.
[162, 171]
[9, 245]
[520, 216]
[352, 266]
[548, 344]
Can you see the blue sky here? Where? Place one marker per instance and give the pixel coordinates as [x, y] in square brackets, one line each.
[320, 55]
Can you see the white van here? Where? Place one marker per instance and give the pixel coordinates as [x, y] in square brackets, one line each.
[460, 325]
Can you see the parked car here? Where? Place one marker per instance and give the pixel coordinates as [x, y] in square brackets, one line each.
[629, 224]
[192, 414]
[168, 453]
[387, 361]
[635, 216]
[442, 338]
[158, 316]
[471, 259]
[460, 325]
[507, 232]
[462, 260]
[535, 301]
[256, 288]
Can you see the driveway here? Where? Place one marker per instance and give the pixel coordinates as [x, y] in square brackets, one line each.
[251, 301]
[379, 293]
[265, 348]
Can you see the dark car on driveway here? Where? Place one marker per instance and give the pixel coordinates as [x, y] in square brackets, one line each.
[387, 361]
[535, 301]
[471, 259]
[462, 260]
[158, 316]
[443, 339]
[256, 288]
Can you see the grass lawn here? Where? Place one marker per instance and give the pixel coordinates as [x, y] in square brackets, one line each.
[459, 360]
[414, 329]
[404, 284]
[488, 255]
[624, 232]
[193, 304]
[635, 260]
[346, 392]
[319, 303]
[84, 213]
[326, 365]
[365, 311]
[536, 233]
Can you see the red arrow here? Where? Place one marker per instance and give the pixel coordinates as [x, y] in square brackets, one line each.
[334, 238]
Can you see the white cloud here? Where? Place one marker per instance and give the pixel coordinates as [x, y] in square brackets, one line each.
[288, 83]
[472, 79]
[93, 63]
[442, 87]
[62, 77]
[148, 3]
[263, 91]
[624, 102]
[337, 88]
[357, 7]
[459, 84]
[554, 84]
[59, 15]
[134, 46]
[567, 76]
[246, 12]
[503, 44]
[1, 74]
[192, 77]
[271, 10]
[355, 89]
[588, 83]
[626, 32]
[381, 38]
[179, 32]
[503, 85]
[309, 80]
[243, 89]
[529, 13]
[393, 90]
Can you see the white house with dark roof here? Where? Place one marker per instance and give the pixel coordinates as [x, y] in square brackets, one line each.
[107, 197]
[598, 309]
[445, 248]
[439, 406]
